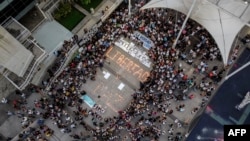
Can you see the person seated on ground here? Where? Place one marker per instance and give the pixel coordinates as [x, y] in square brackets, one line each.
[190, 61]
[92, 78]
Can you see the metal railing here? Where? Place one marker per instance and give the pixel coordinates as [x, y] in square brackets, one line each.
[29, 73]
[50, 4]
[11, 23]
[62, 66]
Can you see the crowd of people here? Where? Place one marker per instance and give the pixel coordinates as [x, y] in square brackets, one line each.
[148, 113]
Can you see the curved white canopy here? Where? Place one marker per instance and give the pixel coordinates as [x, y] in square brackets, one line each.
[223, 19]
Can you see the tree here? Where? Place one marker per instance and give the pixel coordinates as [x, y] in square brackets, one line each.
[85, 2]
[63, 10]
[70, 1]
[57, 15]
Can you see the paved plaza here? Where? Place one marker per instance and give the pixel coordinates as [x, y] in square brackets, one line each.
[222, 108]
[112, 90]
[126, 65]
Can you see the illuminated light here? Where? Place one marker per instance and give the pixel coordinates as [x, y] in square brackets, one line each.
[116, 54]
[124, 62]
[133, 50]
[108, 51]
[112, 107]
[120, 59]
[138, 73]
[98, 87]
[198, 137]
[134, 68]
[245, 1]
[204, 130]
[216, 131]
[127, 64]
[145, 76]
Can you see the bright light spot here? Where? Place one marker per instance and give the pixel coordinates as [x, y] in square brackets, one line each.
[204, 130]
[245, 1]
[216, 131]
[198, 137]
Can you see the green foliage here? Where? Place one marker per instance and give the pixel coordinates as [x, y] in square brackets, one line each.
[85, 2]
[63, 10]
[72, 19]
[57, 15]
[70, 1]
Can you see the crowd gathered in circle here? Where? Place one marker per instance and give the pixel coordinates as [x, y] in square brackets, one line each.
[151, 104]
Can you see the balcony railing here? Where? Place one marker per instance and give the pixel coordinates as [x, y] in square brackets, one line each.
[39, 56]
[17, 30]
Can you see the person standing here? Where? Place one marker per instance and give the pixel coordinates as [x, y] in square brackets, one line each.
[4, 100]
[9, 113]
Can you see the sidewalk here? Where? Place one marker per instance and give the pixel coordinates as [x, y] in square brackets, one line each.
[91, 19]
[10, 126]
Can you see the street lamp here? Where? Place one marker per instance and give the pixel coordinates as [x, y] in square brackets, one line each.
[129, 8]
[246, 1]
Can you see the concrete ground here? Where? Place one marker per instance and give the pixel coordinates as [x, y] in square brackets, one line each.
[10, 125]
[111, 98]
[106, 93]
[221, 110]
